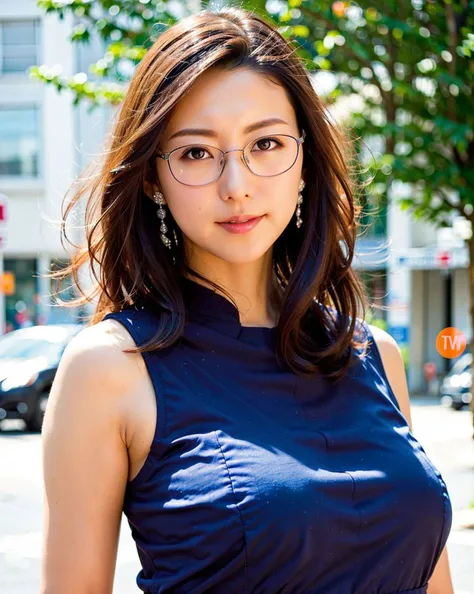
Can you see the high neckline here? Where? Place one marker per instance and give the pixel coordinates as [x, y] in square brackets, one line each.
[212, 309]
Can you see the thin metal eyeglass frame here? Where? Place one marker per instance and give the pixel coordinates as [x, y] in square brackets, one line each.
[299, 142]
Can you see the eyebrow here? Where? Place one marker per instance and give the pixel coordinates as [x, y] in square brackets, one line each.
[211, 134]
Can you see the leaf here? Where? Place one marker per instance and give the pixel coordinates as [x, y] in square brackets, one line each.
[300, 31]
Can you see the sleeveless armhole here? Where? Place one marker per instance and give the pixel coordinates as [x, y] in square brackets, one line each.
[130, 319]
[378, 363]
[417, 446]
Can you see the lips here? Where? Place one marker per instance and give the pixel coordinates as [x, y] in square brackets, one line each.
[241, 218]
[242, 223]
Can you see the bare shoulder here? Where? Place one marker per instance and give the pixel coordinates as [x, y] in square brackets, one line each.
[102, 346]
[95, 360]
[384, 340]
[389, 351]
[394, 368]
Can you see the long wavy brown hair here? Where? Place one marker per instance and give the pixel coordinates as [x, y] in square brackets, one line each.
[320, 291]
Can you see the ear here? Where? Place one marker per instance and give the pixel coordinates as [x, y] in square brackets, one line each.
[150, 185]
[149, 189]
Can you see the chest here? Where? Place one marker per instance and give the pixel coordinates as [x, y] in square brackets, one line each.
[274, 445]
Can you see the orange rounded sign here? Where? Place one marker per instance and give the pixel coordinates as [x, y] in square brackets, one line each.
[7, 285]
[450, 342]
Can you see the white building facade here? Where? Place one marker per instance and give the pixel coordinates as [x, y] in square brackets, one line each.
[44, 143]
[428, 290]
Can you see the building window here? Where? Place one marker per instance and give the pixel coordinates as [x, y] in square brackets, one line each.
[19, 141]
[375, 283]
[21, 305]
[373, 218]
[19, 46]
[65, 290]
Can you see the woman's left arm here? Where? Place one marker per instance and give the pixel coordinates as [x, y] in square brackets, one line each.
[440, 582]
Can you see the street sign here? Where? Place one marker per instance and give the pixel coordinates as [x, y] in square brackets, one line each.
[3, 221]
[399, 333]
[432, 258]
[3, 209]
[7, 284]
[443, 259]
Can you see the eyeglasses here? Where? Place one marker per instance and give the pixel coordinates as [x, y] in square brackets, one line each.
[201, 164]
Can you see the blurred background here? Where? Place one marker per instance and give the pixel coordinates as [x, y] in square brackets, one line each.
[398, 76]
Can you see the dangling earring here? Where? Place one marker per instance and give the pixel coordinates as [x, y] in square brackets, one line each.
[299, 202]
[160, 200]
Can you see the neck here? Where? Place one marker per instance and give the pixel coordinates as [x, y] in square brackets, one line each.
[251, 285]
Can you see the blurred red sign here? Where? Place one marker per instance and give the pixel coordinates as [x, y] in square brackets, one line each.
[443, 259]
[3, 209]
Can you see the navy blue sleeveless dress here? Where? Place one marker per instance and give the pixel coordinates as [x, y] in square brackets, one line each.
[259, 481]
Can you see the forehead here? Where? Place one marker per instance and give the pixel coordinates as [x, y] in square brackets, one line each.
[227, 101]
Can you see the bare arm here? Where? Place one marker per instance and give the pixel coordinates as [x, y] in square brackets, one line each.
[85, 464]
[440, 582]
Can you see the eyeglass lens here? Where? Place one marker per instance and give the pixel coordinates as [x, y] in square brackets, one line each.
[200, 164]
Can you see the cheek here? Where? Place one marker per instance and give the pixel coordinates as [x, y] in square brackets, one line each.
[193, 214]
[283, 204]
[189, 207]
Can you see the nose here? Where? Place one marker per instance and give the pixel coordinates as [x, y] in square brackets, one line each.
[236, 180]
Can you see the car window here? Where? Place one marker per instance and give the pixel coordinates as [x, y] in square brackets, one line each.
[462, 364]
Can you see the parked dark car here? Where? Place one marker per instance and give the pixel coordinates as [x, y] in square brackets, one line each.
[29, 359]
[456, 388]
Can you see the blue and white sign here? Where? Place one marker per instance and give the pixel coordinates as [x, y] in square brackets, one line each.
[399, 333]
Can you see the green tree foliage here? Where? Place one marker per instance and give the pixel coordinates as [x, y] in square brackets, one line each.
[410, 63]
[125, 28]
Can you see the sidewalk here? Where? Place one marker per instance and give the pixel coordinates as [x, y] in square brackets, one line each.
[418, 399]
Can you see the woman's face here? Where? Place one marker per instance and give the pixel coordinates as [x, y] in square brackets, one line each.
[222, 105]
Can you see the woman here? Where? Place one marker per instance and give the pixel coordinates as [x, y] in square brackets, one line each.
[253, 429]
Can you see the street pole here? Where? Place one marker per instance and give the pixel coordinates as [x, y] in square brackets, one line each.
[3, 240]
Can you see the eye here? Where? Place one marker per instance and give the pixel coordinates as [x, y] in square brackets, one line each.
[195, 153]
[264, 143]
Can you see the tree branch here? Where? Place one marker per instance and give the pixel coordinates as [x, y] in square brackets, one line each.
[452, 43]
[458, 158]
[470, 154]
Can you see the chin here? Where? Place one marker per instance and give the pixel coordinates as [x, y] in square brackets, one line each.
[244, 255]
